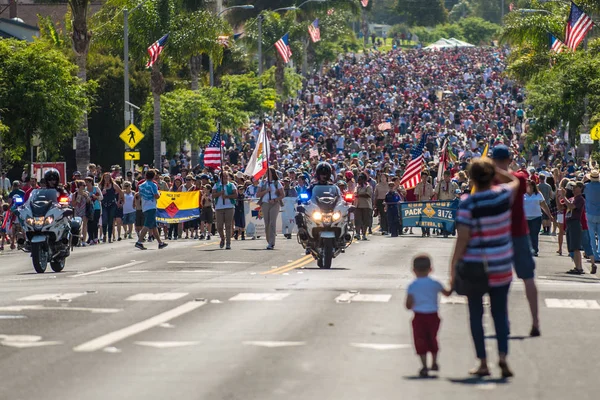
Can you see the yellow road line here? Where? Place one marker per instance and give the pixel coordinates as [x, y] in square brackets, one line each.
[205, 244]
[293, 267]
[284, 267]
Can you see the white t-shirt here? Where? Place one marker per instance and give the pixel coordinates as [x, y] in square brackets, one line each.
[425, 293]
[531, 205]
[273, 189]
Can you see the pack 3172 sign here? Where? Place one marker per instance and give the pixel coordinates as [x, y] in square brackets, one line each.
[429, 214]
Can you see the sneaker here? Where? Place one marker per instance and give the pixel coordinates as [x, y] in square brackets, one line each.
[201, 237]
[222, 243]
[162, 245]
[140, 246]
[364, 237]
[207, 237]
[269, 247]
[228, 247]
[119, 239]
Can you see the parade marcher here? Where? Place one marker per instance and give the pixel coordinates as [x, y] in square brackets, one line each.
[380, 193]
[207, 213]
[149, 194]
[239, 217]
[270, 194]
[484, 239]
[446, 190]
[392, 205]
[424, 192]
[289, 207]
[523, 261]
[225, 195]
[129, 211]
[364, 206]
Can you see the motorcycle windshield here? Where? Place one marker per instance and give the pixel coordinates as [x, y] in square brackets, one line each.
[42, 200]
[326, 197]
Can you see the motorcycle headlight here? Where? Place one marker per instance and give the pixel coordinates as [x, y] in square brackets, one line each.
[29, 221]
[317, 216]
[48, 220]
[336, 216]
[38, 221]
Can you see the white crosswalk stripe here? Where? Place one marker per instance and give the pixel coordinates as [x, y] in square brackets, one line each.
[573, 303]
[259, 297]
[351, 297]
[156, 296]
[53, 297]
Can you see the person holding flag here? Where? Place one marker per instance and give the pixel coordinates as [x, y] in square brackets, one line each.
[271, 195]
[225, 195]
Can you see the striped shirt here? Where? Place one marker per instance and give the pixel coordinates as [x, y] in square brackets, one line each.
[488, 216]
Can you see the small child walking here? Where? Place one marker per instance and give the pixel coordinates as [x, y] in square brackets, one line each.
[422, 298]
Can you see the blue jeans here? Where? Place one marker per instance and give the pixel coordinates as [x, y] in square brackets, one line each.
[534, 232]
[499, 309]
[594, 229]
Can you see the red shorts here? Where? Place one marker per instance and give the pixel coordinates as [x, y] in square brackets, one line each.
[425, 329]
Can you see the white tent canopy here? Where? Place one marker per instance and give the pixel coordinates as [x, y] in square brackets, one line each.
[448, 44]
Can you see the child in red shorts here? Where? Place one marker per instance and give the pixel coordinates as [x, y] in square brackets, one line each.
[422, 298]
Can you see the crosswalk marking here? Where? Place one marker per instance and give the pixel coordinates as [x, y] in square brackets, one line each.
[156, 296]
[573, 303]
[259, 296]
[52, 297]
[273, 344]
[351, 297]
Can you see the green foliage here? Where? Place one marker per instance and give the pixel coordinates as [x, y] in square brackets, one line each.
[473, 30]
[423, 12]
[245, 88]
[462, 9]
[291, 84]
[39, 94]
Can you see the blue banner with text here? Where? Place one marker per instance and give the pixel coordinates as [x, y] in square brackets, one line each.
[429, 214]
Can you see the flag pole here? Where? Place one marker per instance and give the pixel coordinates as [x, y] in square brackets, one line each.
[221, 155]
[267, 151]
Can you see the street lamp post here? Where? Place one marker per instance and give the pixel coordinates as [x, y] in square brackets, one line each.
[221, 11]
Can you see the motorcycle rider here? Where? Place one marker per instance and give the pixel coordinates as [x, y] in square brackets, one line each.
[52, 178]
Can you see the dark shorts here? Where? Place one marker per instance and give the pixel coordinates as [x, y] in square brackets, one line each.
[522, 257]
[206, 215]
[574, 235]
[129, 218]
[150, 219]
[119, 213]
[139, 218]
[425, 330]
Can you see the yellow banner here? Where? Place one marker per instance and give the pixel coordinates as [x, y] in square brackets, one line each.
[176, 207]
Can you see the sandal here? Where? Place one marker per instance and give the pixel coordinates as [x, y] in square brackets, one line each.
[575, 271]
[559, 252]
[480, 372]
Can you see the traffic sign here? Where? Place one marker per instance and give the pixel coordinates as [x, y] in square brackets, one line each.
[585, 139]
[132, 155]
[595, 132]
[131, 136]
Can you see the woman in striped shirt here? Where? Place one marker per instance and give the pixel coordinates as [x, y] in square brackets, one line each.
[484, 236]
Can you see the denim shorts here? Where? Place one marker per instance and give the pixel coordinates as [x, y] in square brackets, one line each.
[129, 218]
[522, 258]
[150, 218]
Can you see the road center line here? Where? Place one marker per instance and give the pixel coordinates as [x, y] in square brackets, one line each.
[99, 271]
[285, 267]
[116, 336]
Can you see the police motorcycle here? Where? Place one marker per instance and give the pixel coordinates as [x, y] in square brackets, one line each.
[50, 230]
[323, 219]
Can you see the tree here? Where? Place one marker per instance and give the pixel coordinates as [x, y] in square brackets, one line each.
[423, 12]
[478, 31]
[40, 95]
[255, 101]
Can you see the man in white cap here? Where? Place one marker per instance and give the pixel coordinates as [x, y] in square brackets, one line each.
[592, 209]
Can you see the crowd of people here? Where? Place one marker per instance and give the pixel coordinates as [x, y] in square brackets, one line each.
[365, 115]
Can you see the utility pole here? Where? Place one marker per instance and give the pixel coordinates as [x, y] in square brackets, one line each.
[126, 103]
[260, 64]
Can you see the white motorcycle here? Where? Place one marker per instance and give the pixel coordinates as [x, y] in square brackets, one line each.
[324, 226]
[49, 230]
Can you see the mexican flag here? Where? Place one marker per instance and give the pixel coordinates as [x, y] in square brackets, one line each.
[258, 163]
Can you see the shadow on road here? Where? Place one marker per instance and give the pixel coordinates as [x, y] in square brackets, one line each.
[475, 380]
[325, 269]
[510, 337]
[420, 378]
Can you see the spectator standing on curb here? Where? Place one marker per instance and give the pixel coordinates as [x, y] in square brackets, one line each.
[575, 207]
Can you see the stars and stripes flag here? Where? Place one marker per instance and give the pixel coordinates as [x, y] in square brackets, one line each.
[578, 25]
[330, 11]
[412, 173]
[212, 153]
[385, 126]
[283, 47]
[364, 2]
[314, 31]
[223, 41]
[555, 44]
[155, 49]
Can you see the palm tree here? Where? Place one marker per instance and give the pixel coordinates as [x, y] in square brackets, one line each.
[81, 44]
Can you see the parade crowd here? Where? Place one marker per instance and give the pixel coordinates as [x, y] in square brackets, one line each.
[365, 115]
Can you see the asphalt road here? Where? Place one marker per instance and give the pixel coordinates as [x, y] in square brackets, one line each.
[196, 322]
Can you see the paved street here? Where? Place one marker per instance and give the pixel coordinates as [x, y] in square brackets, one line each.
[196, 322]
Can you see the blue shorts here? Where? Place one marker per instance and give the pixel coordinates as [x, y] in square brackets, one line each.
[150, 219]
[522, 258]
[129, 218]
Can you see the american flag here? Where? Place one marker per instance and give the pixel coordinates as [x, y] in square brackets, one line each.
[412, 174]
[330, 11]
[578, 25]
[283, 47]
[555, 44]
[364, 2]
[314, 31]
[223, 41]
[385, 126]
[212, 153]
[155, 50]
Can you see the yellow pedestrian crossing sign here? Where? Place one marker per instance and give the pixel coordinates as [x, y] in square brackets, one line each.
[595, 132]
[132, 155]
[131, 136]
